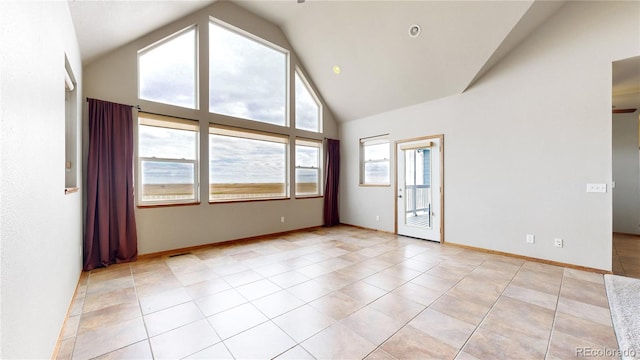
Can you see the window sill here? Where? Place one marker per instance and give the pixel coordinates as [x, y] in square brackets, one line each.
[300, 197]
[71, 190]
[229, 201]
[152, 206]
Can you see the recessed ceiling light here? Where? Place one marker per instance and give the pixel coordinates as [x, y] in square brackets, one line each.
[414, 30]
[336, 69]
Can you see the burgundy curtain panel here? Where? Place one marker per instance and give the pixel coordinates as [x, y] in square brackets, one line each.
[111, 235]
[331, 217]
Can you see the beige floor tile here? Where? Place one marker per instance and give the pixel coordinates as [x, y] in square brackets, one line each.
[564, 346]
[300, 330]
[65, 352]
[215, 352]
[163, 300]
[377, 284]
[219, 302]
[397, 307]
[258, 289]
[288, 279]
[296, 353]
[372, 325]
[515, 318]
[363, 292]
[184, 341]
[337, 305]
[460, 309]
[172, 318]
[447, 329]
[434, 282]
[380, 354]
[411, 343]
[598, 314]
[112, 315]
[137, 351]
[531, 296]
[584, 291]
[338, 342]
[71, 327]
[105, 339]
[538, 280]
[277, 304]
[310, 290]
[242, 278]
[267, 341]
[417, 293]
[236, 320]
[384, 281]
[487, 344]
[584, 329]
[93, 302]
[208, 287]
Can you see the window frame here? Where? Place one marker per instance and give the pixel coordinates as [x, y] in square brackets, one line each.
[196, 65]
[372, 141]
[251, 134]
[303, 79]
[166, 121]
[259, 40]
[311, 143]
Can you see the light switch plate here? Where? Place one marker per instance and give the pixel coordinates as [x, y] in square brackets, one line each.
[597, 188]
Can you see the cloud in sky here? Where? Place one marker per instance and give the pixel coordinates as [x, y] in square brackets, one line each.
[167, 72]
[235, 160]
[246, 78]
[306, 107]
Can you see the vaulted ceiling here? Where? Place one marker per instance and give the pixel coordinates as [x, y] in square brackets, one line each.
[383, 68]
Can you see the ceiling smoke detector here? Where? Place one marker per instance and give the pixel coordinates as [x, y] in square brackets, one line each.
[414, 30]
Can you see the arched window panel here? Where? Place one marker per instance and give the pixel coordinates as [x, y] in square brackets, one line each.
[247, 76]
[308, 108]
[167, 70]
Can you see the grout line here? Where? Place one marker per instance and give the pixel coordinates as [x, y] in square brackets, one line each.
[555, 314]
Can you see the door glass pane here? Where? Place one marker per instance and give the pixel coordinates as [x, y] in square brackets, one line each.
[417, 204]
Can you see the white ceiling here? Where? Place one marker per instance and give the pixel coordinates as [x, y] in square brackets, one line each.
[382, 67]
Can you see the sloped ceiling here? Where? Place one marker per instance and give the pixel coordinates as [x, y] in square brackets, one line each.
[383, 68]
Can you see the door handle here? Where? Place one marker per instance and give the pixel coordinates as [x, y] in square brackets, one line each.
[399, 196]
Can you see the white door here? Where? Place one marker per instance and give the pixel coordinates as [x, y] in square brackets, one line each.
[419, 192]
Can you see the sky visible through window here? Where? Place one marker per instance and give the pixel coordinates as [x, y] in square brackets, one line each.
[307, 114]
[246, 78]
[241, 161]
[167, 72]
[376, 172]
[166, 143]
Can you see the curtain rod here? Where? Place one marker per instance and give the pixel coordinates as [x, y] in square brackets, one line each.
[133, 106]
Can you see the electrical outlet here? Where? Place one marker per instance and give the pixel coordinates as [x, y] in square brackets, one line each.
[282, 219]
[531, 239]
[557, 242]
[597, 188]
[377, 217]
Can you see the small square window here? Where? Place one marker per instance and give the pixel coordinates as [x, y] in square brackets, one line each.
[168, 160]
[374, 161]
[308, 169]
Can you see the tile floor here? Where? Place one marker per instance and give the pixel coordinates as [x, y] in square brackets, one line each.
[337, 293]
[626, 255]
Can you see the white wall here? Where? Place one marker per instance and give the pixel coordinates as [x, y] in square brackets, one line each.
[114, 78]
[41, 233]
[521, 144]
[626, 174]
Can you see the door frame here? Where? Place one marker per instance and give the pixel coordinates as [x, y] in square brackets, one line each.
[440, 137]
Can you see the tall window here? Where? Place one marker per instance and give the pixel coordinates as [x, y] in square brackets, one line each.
[247, 164]
[167, 70]
[247, 77]
[168, 160]
[71, 129]
[308, 167]
[374, 161]
[308, 108]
